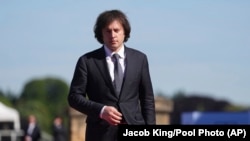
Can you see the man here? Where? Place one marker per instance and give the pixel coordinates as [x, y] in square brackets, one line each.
[95, 90]
[32, 131]
[59, 131]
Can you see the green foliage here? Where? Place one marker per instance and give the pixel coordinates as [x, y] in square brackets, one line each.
[179, 95]
[5, 100]
[44, 98]
[233, 108]
[200, 107]
[39, 109]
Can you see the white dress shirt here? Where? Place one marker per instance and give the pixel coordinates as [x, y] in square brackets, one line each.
[110, 61]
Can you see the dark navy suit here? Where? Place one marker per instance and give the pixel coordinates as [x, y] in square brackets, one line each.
[91, 89]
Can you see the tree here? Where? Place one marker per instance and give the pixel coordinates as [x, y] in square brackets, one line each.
[5, 99]
[46, 98]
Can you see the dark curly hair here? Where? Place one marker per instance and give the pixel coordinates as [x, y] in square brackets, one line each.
[106, 18]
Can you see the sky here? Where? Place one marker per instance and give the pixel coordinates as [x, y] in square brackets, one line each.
[193, 46]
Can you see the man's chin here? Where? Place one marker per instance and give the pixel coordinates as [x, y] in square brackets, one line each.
[113, 47]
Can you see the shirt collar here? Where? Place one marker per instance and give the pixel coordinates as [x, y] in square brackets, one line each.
[110, 53]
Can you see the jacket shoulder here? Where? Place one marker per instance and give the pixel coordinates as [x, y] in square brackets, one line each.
[134, 52]
[97, 53]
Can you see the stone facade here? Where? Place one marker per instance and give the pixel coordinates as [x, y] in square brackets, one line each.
[77, 123]
[163, 108]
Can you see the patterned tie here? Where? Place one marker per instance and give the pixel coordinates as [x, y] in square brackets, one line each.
[118, 74]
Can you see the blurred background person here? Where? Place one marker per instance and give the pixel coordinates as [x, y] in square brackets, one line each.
[59, 130]
[32, 131]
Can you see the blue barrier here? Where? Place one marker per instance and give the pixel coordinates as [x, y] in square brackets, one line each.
[207, 118]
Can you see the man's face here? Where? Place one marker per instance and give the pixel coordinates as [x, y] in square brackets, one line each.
[113, 35]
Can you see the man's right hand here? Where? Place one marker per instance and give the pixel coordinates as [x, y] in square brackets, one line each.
[111, 115]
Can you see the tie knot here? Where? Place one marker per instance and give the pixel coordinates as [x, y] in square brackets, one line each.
[116, 56]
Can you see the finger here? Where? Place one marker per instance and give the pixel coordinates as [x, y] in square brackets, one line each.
[115, 117]
[112, 121]
[118, 114]
[115, 122]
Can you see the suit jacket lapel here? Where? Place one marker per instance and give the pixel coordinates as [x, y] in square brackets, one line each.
[101, 63]
[130, 66]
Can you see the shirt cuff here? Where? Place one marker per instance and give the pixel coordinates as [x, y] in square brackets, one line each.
[102, 111]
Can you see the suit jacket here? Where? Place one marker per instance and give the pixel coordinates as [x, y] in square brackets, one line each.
[91, 89]
[35, 135]
[59, 133]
